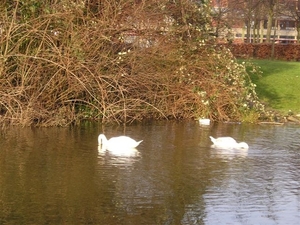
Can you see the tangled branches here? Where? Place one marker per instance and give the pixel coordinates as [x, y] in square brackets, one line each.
[68, 65]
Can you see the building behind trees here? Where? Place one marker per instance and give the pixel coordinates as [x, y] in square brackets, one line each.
[257, 21]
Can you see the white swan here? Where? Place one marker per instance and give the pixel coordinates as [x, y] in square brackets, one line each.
[228, 143]
[117, 143]
[204, 121]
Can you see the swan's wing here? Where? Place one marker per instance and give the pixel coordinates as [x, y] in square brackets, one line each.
[228, 140]
[223, 142]
[123, 142]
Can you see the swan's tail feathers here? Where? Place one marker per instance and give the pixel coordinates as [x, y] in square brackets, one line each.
[138, 142]
[212, 139]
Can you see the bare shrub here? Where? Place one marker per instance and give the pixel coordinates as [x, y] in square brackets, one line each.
[116, 61]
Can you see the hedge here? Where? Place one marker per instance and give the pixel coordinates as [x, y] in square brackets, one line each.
[289, 52]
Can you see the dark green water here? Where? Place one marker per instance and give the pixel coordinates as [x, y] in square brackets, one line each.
[56, 176]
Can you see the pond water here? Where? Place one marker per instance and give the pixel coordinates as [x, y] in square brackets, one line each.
[57, 176]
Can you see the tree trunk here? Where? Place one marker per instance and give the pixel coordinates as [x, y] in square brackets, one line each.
[261, 27]
[248, 31]
[269, 25]
[298, 32]
[274, 40]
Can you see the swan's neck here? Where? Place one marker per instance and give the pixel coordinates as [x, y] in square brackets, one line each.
[102, 140]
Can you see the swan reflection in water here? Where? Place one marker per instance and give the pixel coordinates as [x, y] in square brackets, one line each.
[132, 152]
[228, 153]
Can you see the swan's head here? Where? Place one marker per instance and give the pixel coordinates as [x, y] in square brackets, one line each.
[243, 145]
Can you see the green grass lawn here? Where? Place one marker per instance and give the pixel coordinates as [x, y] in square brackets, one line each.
[279, 84]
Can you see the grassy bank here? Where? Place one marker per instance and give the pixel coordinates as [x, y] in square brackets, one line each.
[279, 84]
